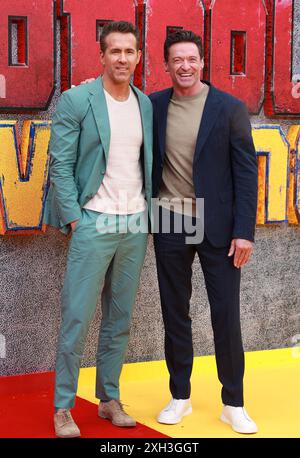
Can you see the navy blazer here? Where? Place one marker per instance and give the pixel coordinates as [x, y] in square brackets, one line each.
[224, 166]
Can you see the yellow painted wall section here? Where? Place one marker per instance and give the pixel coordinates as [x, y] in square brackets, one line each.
[294, 179]
[22, 187]
[23, 174]
[270, 141]
[261, 198]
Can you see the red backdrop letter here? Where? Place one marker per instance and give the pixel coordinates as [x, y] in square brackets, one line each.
[27, 53]
[81, 22]
[238, 36]
[160, 14]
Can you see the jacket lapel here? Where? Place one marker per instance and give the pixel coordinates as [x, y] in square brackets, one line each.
[99, 107]
[146, 117]
[162, 114]
[210, 114]
[209, 117]
[145, 120]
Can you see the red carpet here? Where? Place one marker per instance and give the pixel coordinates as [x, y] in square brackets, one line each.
[26, 411]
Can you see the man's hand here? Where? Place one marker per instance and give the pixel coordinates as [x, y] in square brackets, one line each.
[74, 224]
[89, 80]
[242, 250]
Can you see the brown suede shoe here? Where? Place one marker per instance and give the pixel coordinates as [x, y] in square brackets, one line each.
[64, 424]
[113, 411]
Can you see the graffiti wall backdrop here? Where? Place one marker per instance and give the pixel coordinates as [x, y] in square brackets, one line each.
[252, 50]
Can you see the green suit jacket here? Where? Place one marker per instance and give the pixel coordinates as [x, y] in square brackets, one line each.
[79, 147]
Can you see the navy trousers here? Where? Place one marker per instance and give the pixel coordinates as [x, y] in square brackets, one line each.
[174, 258]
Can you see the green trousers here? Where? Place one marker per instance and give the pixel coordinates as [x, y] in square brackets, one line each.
[100, 256]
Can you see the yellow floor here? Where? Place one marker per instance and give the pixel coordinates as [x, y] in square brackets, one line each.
[272, 395]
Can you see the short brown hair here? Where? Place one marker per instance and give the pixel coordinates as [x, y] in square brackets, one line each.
[181, 36]
[121, 27]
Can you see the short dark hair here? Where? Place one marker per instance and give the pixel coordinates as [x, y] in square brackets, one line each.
[182, 36]
[121, 27]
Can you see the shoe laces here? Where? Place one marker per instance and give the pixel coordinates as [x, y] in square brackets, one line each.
[246, 415]
[241, 414]
[65, 416]
[119, 405]
[172, 405]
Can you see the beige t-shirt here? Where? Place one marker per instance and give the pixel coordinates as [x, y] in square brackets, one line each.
[184, 118]
[121, 191]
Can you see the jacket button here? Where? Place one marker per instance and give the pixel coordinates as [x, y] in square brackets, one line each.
[103, 172]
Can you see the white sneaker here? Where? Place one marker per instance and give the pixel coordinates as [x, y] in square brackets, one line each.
[174, 411]
[239, 420]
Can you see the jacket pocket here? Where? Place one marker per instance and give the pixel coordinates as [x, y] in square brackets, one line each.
[78, 223]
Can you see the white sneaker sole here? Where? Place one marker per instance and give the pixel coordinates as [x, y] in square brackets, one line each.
[236, 429]
[174, 422]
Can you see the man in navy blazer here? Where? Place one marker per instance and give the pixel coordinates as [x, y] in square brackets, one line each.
[203, 149]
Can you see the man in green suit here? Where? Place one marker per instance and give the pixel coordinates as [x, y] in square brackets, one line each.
[100, 190]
